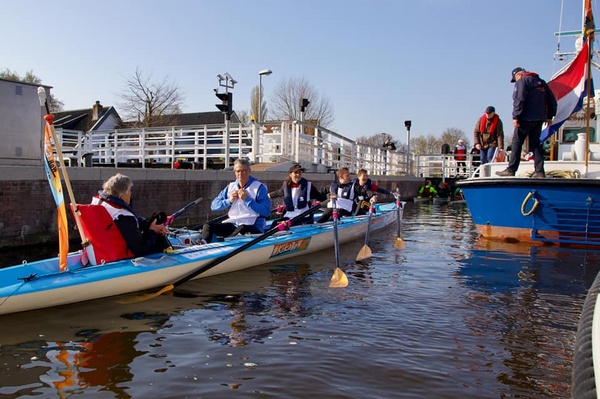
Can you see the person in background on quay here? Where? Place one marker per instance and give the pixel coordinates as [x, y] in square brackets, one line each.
[142, 236]
[443, 190]
[366, 192]
[533, 104]
[248, 202]
[344, 195]
[298, 195]
[388, 144]
[427, 191]
[460, 155]
[475, 159]
[488, 134]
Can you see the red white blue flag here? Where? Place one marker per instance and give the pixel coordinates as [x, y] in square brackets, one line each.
[569, 86]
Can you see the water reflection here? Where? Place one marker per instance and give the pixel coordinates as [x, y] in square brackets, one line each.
[526, 298]
[448, 316]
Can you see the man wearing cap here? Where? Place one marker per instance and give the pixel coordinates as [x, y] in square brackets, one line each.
[488, 134]
[248, 202]
[460, 156]
[533, 104]
[297, 193]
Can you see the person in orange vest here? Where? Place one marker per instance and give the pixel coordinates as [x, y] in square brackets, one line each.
[460, 155]
[488, 134]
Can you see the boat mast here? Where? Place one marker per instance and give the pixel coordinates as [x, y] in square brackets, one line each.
[588, 33]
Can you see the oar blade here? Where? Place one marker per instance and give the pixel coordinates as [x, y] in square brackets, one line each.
[399, 244]
[364, 253]
[339, 279]
[145, 297]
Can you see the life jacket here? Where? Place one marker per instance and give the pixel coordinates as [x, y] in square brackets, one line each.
[493, 123]
[368, 186]
[106, 243]
[460, 152]
[299, 195]
[240, 213]
[345, 196]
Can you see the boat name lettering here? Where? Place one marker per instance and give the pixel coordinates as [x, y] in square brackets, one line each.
[291, 246]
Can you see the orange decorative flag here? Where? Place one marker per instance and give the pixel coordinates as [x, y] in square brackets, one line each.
[57, 191]
[588, 21]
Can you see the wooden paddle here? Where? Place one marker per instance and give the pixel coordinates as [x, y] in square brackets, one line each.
[217, 261]
[399, 244]
[339, 278]
[365, 252]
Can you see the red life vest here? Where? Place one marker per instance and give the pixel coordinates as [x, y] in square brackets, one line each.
[460, 153]
[106, 242]
[494, 123]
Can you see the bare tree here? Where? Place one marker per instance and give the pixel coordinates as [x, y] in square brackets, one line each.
[426, 145]
[55, 104]
[244, 116]
[451, 136]
[254, 101]
[285, 103]
[151, 103]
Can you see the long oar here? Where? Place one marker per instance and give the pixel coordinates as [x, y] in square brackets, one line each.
[399, 244]
[365, 252]
[339, 278]
[49, 118]
[281, 226]
[181, 211]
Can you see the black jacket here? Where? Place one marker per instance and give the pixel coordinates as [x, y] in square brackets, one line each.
[533, 100]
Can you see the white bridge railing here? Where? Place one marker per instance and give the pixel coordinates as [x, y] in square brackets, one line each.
[211, 147]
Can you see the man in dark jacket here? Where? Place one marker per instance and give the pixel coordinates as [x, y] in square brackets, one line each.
[533, 104]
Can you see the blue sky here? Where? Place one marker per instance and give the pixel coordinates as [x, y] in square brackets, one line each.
[438, 63]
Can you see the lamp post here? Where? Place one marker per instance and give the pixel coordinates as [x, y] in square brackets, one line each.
[266, 72]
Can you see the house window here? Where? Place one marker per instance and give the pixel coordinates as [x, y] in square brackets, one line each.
[19, 90]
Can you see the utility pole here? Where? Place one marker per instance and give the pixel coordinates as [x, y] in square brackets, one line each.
[407, 124]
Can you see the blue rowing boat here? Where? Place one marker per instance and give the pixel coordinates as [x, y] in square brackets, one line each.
[40, 284]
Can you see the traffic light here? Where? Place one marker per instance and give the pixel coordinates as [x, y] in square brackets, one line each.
[226, 105]
[303, 104]
[407, 124]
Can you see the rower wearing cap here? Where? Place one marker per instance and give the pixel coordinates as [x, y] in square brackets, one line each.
[298, 195]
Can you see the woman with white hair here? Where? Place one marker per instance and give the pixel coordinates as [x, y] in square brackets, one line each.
[460, 156]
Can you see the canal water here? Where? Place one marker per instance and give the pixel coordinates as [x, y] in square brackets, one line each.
[449, 316]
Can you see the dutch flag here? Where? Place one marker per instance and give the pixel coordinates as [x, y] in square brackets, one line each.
[569, 88]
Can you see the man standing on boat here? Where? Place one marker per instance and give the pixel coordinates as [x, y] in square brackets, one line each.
[488, 135]
[533, 104]
[248, 202]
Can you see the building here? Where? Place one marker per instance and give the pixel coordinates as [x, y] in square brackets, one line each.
[21, 123]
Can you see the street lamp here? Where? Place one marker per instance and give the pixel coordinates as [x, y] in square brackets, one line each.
[266, 72]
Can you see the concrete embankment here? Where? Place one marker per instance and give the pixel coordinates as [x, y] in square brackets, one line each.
[28, 213]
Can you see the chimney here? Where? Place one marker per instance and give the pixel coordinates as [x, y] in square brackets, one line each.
[96, 111]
